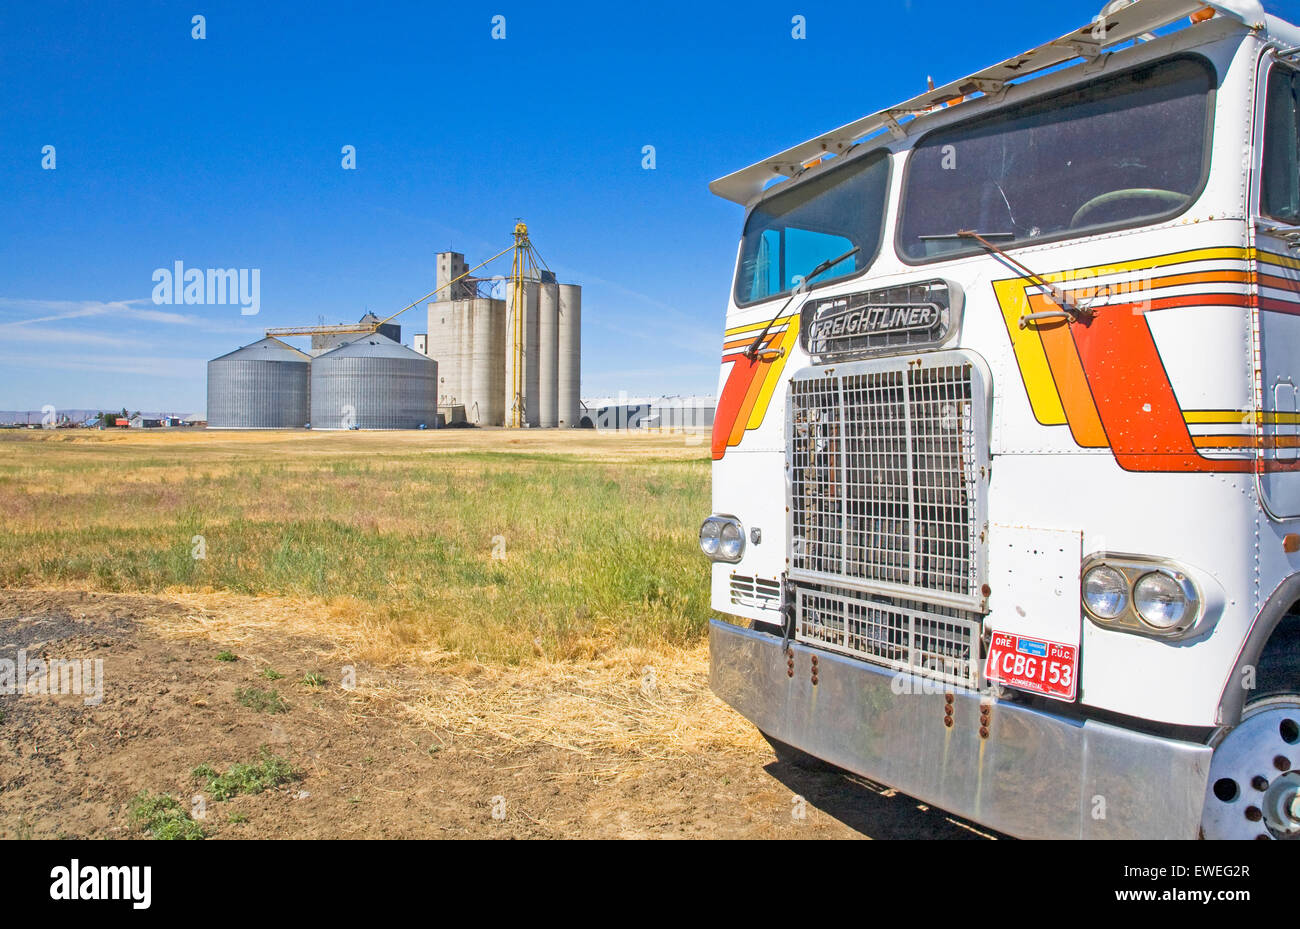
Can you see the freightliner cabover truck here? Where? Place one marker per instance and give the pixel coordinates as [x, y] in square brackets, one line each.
[1006, 478]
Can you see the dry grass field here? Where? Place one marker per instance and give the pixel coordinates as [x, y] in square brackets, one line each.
[453, 633]
[497, 545]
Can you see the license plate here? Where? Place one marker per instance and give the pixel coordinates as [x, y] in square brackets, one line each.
[1036, 665]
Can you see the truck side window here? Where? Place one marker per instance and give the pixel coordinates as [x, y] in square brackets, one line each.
[793, 231]
[1280, 183]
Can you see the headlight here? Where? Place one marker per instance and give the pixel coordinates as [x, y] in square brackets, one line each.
[1160, 600]
[1143, 595]
[722, 538]
[1105, 592]
[733, 541]
[710, 536]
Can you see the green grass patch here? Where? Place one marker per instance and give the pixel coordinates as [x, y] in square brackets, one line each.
[246, 777]
[264, 701]
[163, 817]
[227, 656]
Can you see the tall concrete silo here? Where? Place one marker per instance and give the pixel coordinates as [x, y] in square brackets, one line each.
[260, 386]
[464, 312]
[373, 382]
[444, 348]
[569, 362]
[488, 364]
[548, 345]
[533, 390]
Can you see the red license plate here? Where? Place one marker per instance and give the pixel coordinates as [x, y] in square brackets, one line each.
[1037, 665]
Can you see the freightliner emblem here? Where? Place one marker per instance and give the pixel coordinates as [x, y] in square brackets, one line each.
[872, 322]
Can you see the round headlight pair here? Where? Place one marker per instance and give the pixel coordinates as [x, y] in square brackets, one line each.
[722, 538]
[1159, 599]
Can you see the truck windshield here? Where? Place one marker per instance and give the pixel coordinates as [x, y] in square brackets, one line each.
[797, 229]
[1122, 151]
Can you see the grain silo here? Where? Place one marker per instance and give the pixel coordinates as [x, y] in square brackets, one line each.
[569, 362]
[463, 310]
[373, 382]
[260, 386]
[487, 364]
[444, 347]
[548, 319]
[473, 340]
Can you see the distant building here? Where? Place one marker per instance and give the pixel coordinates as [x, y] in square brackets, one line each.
[323, 342]
[667, 414]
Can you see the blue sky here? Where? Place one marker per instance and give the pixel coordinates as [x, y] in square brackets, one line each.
[226, 152]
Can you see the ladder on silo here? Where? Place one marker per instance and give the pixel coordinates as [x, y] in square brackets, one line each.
[526, 270]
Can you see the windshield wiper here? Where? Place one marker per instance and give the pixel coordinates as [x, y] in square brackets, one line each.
[1067, 309]
[752, 352]
[965, 233]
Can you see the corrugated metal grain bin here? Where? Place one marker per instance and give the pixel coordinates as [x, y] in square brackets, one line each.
[259, 386]
[374, 383]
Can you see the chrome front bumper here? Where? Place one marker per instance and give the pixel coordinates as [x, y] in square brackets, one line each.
[1036, 775]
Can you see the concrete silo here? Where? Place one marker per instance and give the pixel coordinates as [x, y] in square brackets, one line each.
[444, 347]
[548, 345]
[569, 360]
[373, 382]
[464, 354]
[485, 406]
[260, 386]
[482, 369]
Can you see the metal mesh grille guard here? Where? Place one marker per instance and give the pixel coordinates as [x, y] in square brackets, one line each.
[888, 461]
[895, 634]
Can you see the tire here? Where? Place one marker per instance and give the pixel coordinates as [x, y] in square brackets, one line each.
[1255, 773]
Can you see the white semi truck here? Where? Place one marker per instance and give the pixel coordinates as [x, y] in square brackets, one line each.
[1006, 479]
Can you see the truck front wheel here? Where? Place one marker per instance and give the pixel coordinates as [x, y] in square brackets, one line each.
[1254, 789]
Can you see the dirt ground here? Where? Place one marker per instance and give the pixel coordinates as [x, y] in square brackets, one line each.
[423, 750]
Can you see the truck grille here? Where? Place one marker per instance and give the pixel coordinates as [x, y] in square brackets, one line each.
[941, 646]
[759, 593]
[888, 461]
